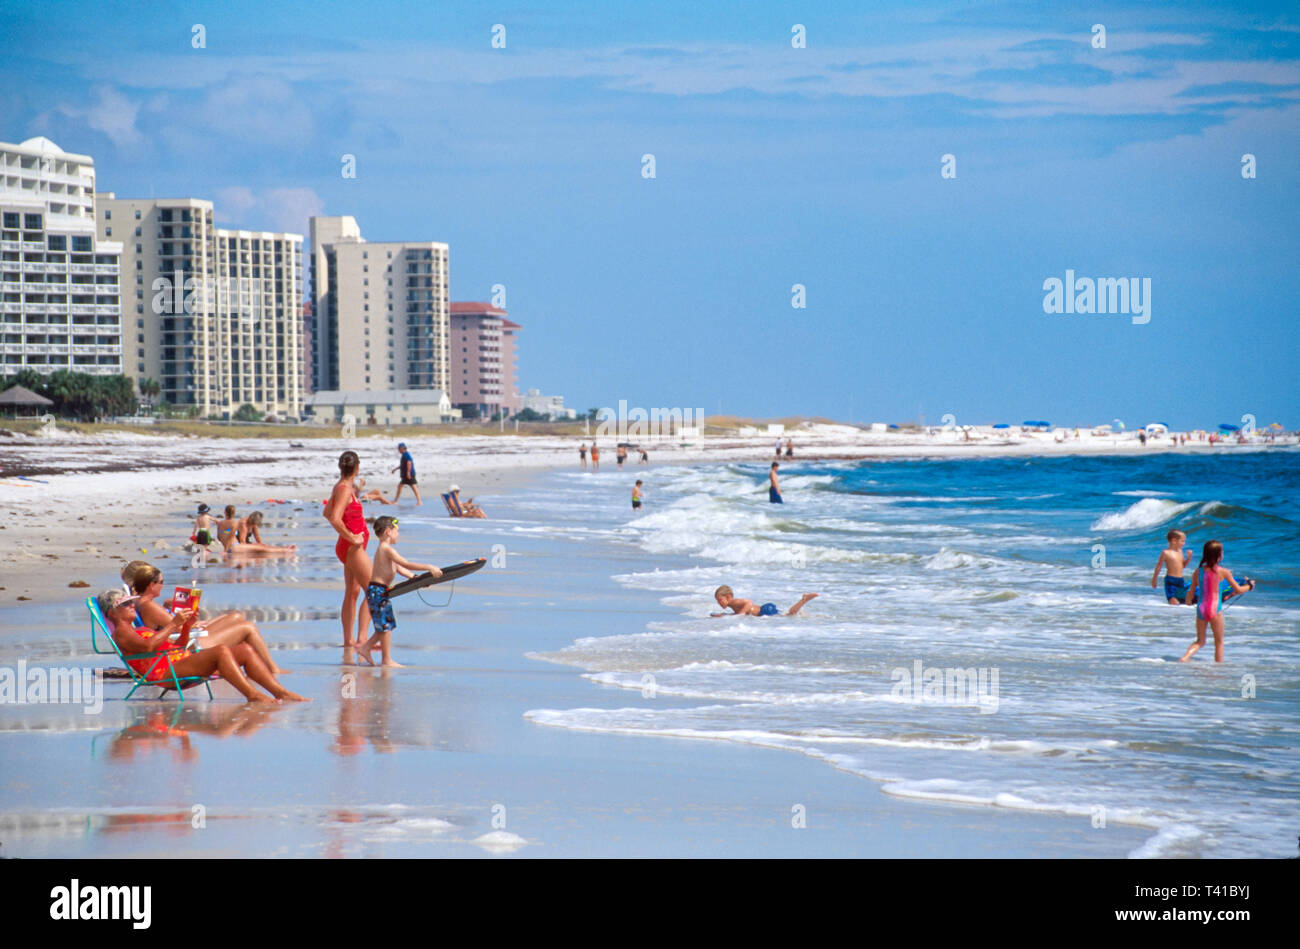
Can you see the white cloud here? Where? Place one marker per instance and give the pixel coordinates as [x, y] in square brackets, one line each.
[279, 209]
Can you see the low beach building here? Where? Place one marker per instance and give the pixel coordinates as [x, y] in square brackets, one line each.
[59, 283]
[382, 407]
[213, 314]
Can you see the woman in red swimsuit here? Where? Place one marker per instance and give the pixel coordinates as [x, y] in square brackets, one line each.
[343, 511]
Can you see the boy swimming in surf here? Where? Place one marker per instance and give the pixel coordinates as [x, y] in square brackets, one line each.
[729, 601]
[1174, 559]
[387, 563]
[1209, 606]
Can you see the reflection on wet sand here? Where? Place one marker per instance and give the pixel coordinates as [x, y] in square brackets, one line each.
[366, 700]
[159, 728]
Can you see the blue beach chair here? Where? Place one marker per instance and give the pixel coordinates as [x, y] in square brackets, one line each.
[98, 625]
[453, 505]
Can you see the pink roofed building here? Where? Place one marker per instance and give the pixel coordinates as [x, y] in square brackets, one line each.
[483, 351]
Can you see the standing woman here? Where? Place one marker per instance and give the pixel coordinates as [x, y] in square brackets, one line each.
[343, 511]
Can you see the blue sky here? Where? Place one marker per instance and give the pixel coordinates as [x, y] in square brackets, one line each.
[775, 166]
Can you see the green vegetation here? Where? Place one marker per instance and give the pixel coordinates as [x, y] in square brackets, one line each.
[79, 395]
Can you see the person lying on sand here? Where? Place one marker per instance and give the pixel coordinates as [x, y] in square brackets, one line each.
[246, 536]
[231, 663]
[230, 629]
[729, 601]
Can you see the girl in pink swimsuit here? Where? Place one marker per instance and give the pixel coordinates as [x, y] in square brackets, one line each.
[345, 515]
[1209, 606]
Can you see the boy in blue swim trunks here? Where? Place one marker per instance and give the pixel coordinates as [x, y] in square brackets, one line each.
[729, 601]
[773, 485]
[1174, 559]
[387, 563]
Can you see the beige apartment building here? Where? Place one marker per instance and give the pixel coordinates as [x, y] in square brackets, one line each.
[380, 310]
[59, 303]
[213, 314]
[484, 374]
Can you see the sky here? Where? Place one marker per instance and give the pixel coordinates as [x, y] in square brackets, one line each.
[775, 165]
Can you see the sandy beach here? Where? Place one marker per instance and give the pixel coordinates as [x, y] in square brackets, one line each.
[447, 756]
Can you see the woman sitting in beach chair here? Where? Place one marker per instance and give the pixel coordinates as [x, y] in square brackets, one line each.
[229, 629]
[458, 508]
[159, 662]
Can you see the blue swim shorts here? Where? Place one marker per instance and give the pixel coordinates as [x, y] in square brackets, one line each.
[381, 608]
[768, 609]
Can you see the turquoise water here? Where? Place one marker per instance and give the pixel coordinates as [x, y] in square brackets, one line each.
[986, 631]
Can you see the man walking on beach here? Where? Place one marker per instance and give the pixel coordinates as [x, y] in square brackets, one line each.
[774, 486]
[407, 466]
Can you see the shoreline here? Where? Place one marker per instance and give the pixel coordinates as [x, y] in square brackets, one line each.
[122, 485]
[427, 760]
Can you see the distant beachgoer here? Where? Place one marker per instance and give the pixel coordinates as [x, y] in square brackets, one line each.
[1142, 436]
[231, 663]
[246, 528]
[778, 448]
[469, 508]
[729, 601]
[620, 454]
[343, 511]
[582, 455]
[645, 458]
[203, 526]
[1209, 608]
[388, 562]
[789, 448]
[595, 457]
[1174, 559]
[374, 494]
[227, 528]
[407, 466]
[636, 496]
[774, 486]
[228, 629]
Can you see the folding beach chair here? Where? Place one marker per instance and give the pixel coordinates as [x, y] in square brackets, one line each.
[98, 624]
[453, 505]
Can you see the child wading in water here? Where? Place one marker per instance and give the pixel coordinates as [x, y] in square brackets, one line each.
[729, 601]
[1209, 608]
[1174, 559]
[387, 563]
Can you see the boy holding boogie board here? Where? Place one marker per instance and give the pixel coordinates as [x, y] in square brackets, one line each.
[388, 562]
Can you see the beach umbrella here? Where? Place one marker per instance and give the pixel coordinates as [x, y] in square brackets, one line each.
[1036, 424]
[1225, 427]
[1120, 424]
[1102, 427]
[1002, 425]
[1156, 427]
[1276, 425]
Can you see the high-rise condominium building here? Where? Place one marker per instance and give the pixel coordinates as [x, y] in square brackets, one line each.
[59, 305]
[213, 315]
[380, 310]
[483, 371]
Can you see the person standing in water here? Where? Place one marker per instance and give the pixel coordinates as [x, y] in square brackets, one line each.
[1209, 607]
[343, 511]
[595, 457]
[582, 455]
[773, 485]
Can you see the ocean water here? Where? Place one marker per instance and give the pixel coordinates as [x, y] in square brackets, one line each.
[986, 632]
